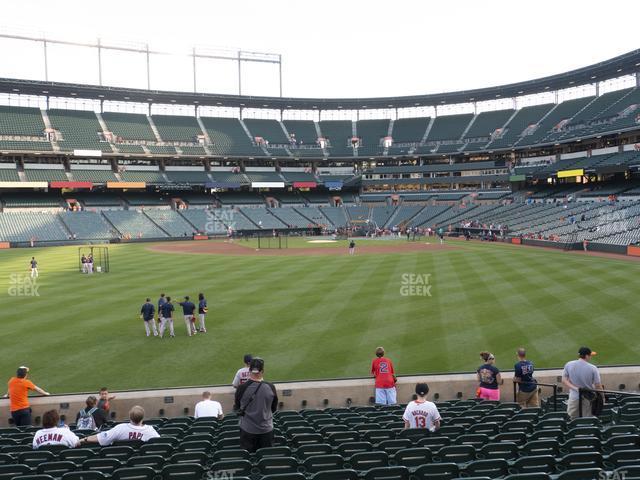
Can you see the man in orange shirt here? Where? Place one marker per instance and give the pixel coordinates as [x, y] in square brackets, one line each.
[18, 394]
[382, 370]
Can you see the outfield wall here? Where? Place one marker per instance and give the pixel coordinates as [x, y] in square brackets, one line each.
[311, 394]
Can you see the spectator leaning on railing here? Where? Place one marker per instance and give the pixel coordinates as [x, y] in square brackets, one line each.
[18, 395]
[579, 374]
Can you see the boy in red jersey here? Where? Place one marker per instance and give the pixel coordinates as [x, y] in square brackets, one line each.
[382, 371]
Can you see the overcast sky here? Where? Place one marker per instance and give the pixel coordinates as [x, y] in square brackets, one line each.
[330, 48]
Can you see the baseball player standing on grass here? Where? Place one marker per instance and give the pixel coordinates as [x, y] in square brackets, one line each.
[189, 319]
[167, 314]
[382, 370]
[352, 247]
[161, 301]
[202, 311]
[34, 267]
[147, 313]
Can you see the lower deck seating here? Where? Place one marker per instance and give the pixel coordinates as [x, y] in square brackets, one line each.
[87, 225]
[22, 226]
[133, 224]
[477, 439]
[170, 221]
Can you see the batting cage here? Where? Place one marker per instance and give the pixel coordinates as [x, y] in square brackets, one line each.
[271, 242]
[93, 260]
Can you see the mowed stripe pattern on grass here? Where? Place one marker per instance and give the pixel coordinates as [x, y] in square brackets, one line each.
[312, 317]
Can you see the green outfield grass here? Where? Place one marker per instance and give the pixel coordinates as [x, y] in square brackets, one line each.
[313, 316]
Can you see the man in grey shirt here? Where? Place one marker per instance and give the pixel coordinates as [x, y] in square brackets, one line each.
[579, 374]
[255, 402]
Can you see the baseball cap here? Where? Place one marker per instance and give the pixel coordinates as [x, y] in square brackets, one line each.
[256, 365]
[422, 389]
[584, 351]
[247, 358]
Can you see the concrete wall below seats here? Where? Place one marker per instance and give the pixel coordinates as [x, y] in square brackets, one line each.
[311, 394]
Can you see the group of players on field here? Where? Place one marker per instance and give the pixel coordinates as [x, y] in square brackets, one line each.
[165, 316]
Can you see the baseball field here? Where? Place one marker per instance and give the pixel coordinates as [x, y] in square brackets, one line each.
[312, 311]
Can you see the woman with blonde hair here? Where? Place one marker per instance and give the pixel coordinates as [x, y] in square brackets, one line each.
[489, 378]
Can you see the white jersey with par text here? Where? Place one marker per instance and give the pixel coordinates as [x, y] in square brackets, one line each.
[421, 415]
[127, 432]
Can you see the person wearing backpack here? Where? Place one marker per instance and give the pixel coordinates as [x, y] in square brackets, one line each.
[91, 417]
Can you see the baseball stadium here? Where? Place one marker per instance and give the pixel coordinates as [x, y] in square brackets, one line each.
[308, 232]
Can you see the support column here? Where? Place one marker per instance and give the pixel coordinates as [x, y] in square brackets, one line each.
[99, 63]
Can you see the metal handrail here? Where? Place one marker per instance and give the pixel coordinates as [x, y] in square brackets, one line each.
[552, 385]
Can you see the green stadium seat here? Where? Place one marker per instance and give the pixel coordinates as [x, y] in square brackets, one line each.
[492, 468]
[85, 475]
[154, 461]
[621, 442]
[184, 471]
[367, 460]
[627, 473]
[412, 458]
[351, 448]
[414, 434]
[436, 471]
[234, 467]
[623, 458]
[230, 454]
[283, 451]
[394, 446]
[313, 449]
[583, 474]
[451, 431]
[56, 469]
[118, 452]
[474, 439]
[456, 454]
[574, 461]
[387, 473]
[35, 458]
[133, 473]
[5, 459]
[519, 438]
[505, 450]
[10, 471]
[271, 465]
[306, 438]
[547, 434]
[284, 476]
[336, 475]
[34, 477]
[528, 476]
[534, 464]
[487, 428]
[189, 457]
[163, 449]
[104, 465]
[434, 443]
[319, 463]
[581, 444]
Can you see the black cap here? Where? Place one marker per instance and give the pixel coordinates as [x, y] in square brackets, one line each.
[585, 351]
[256, 365]
[422, 389]
[247, 358]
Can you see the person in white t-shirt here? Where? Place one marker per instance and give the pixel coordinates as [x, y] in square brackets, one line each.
[208, 408]
[132, 431]
[421, 413]
[242, 375]
[52, 434]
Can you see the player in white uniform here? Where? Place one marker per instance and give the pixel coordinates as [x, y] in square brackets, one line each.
[132, 431]
[242, 375]
[208, 408]
[421, 413]
[52, 434]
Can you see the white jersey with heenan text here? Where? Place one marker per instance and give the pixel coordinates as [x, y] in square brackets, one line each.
[55, 436]
[421, 415]
[127, 432]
